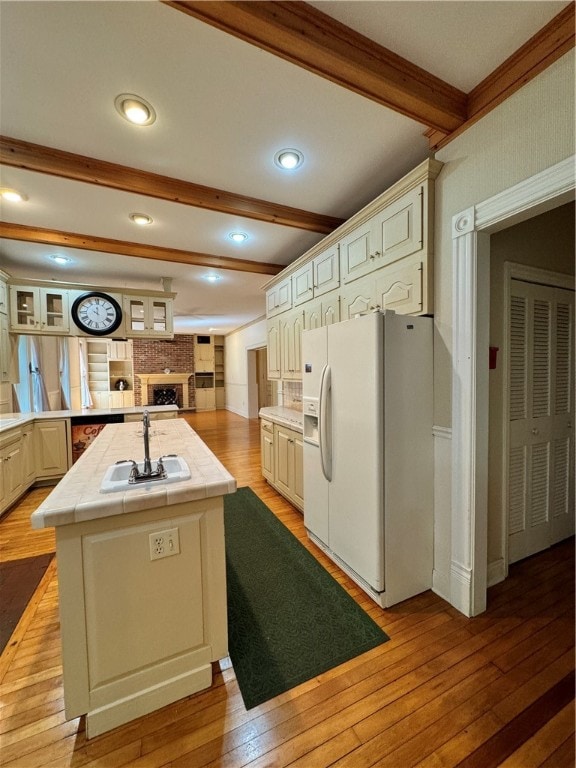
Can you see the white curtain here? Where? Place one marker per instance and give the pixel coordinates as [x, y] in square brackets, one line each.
[86, 397]
[64, 373]
[40, 400]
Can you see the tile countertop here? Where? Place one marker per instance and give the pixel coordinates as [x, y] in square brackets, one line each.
[77, 496]
[11, 420]
[288, 417]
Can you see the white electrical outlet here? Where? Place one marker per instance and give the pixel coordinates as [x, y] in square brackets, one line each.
[164, 544]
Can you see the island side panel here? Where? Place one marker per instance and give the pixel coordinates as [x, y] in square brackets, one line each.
[137, 633]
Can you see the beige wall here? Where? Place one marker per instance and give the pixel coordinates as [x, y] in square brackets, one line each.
[547, 242]
[236, 347]
[530, 132]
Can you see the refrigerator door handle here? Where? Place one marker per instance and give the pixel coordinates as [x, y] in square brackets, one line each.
[323, 439]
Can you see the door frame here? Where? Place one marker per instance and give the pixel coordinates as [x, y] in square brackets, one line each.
[471, 231]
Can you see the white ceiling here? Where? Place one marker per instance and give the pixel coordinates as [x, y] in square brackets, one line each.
[224, 109]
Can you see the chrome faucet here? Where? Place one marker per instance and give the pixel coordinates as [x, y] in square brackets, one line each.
[147, 470]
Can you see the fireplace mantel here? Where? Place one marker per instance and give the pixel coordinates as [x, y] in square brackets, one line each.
[164, 378]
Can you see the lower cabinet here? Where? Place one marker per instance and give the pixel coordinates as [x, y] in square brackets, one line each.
[51, 448]
[282, 458]
[267, 449]
[37, 451]
[11, 467]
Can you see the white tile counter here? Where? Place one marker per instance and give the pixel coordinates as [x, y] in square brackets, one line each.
[77, 497]
[11, 420]
[288, 417]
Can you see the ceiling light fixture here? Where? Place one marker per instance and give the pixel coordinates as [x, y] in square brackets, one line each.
[135, 109]
[60, 259]
[238, 237]
[142, 219]
[12, 195]
[289, 159]
[212, 278]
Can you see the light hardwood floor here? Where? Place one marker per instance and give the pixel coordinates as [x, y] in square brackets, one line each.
[444, 691]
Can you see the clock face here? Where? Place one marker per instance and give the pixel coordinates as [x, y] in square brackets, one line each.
[96, 313]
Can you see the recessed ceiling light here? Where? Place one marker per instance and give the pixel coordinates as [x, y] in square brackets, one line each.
[12, 195]
[141, 219]
[60, 259]
[238, 237]
[289, 159]
[211, 278]
[135, 109]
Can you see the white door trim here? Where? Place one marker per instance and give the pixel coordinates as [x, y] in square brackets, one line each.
[470, 327]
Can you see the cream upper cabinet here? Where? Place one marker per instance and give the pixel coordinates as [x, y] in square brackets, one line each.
[39, 310]
[357, 298]
[204, 356]
[323, 311]
[148, 316]
[401, 289]
[318, 277]
[279, 298]
[3, 298]
[273, 344]
[291, 327]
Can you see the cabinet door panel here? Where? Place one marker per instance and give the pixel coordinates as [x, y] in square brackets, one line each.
[327, 271]
[401, 227]
[401, 289]
[302, 285]
[273, 356]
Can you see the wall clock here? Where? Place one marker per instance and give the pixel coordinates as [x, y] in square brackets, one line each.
[96, 313]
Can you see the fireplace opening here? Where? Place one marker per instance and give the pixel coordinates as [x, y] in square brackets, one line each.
[165, 396]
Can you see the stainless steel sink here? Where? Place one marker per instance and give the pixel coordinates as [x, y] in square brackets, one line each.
[117, 477]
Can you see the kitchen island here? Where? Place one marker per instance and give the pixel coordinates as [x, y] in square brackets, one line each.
[141, 572]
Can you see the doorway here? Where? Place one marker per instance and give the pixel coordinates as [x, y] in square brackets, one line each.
[261, 391]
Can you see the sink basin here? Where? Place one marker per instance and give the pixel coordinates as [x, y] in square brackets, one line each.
[117, 476]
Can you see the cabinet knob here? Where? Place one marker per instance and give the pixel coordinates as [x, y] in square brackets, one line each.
[535, 431]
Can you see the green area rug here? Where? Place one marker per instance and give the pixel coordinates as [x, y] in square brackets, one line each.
[18, 582]
[288, 619]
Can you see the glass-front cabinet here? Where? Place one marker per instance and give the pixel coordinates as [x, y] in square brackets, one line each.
[148, 316]
[39, 310]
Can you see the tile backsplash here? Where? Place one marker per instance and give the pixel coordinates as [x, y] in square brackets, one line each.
[292, 395]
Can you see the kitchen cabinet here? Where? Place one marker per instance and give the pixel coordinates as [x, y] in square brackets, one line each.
[267, 449]
[288, 464]
[274, 346]
[279, 298]
[28, 460]
[204, 358]
[381, 258]
[219, 372]
[205, 393]
[148, 316]
[11, 467]
[291, 327]
[282, 460]
[51, 442]
[5, 347]
[39, 310]
[322, 312]
[318, 277]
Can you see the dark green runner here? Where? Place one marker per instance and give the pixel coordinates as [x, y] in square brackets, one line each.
[288, 619]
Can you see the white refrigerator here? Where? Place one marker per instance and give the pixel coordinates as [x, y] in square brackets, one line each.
[368, 450]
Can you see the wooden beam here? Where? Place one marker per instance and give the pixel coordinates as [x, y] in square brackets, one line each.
[543, 49]
[123, 248]
[56, 162]
[299, 33]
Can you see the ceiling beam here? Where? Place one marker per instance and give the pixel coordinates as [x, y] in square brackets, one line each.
[544, 48]
[123, 248]
[299, 33]
[65, 165]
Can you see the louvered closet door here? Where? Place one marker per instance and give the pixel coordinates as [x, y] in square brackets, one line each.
[541, 408]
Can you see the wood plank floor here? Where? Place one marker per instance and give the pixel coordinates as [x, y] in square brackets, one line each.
[497, 690]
